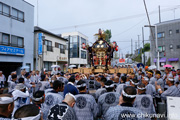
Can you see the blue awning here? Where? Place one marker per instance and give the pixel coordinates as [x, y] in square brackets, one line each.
[161, 60]
[173, 59]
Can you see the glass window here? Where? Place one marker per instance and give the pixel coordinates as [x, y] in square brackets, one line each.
[17, 41]
[20, 42]
[6, 9]
[5, 39]
[20, 16]
[74, 46]
[62, 49]
[83, 41]
[14, 41]
[160, 48]
[170, 32]
[163, 48]
[47, 65]
[178, 46]
[15, 13]
[171, 46]
[0, 7]
[177, 31]
[160, 35]
[83, 54]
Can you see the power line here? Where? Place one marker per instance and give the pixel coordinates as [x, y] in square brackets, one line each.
[112, 20]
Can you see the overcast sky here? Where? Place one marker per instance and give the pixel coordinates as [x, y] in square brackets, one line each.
[125, 18]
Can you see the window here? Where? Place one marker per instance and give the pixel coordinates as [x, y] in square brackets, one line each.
[5, 39]
[17, 41]
[161, 48]
[74, 46]
[171, 46]
[5, 10]
[83, 54]
[178, 46]
[17, 14]
[47, 66]
[170, 32]
[62, 47]
[49, 45]
[83, 41]
[177, 31]
[160, 35]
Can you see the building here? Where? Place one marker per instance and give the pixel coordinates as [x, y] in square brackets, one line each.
[54, 50]
[168, 35]
[78, 55]
[16, 35]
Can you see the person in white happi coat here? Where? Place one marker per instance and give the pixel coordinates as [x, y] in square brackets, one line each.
[121, 86]
[2, 79]
[52, 98]
[101, 90]
[151, 77]
[171, 91]
[20, 94]
[125, 110]
[150, 89]
[44, 84]
[108, 99]
[64, 110]
[6, 106]
[12, 83]
[86, 106]
[143, 101]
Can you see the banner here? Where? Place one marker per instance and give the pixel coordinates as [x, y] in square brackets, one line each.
[39, 43]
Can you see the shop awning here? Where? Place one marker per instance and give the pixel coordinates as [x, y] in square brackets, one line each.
[173, 59]
[161, 60]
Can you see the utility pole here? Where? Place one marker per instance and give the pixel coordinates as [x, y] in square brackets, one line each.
[131, 46]
[138, 42]
[143, 45]
[159, 14]
[37, 12]
[69, 51]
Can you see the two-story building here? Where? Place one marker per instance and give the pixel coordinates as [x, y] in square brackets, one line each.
[54, 50]
[78, 55]
[16, 35]
[168, 35]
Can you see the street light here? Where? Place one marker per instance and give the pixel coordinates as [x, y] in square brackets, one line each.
[157, 50]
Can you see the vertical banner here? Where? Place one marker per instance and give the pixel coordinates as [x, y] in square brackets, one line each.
[39, 43]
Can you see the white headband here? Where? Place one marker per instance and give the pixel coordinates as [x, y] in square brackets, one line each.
[71, 95]
[82, 85]
[146, 79]
[170, 79]
[109, 86]
[6, 100]
[37, 117]
[126, 95]
[141, 88]
[134, 83]
[37, 99]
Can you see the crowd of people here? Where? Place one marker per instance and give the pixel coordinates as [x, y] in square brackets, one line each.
[91, 96]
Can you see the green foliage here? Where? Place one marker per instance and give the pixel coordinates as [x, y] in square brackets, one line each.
[146, 47]
[108, 35]
[138, 58]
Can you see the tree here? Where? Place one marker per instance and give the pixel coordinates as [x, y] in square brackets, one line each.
[108, 35]
[146, 47]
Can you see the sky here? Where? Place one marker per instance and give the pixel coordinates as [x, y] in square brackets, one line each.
[125, 18]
